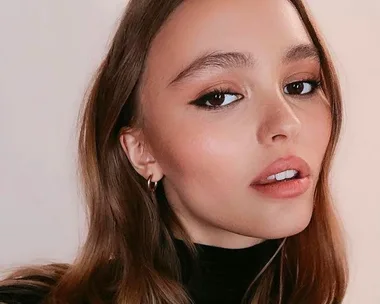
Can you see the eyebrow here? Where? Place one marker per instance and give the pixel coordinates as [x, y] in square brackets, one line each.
[230, 60]
[301, 52]
[222, 60]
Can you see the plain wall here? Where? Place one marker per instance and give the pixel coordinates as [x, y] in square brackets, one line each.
[48, 53]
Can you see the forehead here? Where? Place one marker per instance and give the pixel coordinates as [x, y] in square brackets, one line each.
[260, 27]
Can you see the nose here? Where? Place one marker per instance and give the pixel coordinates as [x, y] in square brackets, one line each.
[279, 123]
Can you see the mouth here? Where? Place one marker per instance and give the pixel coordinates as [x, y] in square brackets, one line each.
[284, 178]
[280, 177]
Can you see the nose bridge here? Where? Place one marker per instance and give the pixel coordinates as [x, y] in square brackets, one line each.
[279, 120]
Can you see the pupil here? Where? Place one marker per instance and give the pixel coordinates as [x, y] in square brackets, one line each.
[217, 99]
[297, 88]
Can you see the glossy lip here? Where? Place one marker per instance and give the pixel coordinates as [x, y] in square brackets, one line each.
[284, 189]
[282, 164]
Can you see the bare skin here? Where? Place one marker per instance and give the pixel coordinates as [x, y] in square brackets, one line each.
[207, 157]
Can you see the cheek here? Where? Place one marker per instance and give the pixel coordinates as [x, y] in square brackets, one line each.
[196, 148]
[197, 152]
[316, 132]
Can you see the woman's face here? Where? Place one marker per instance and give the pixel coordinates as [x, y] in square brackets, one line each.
[229, 88]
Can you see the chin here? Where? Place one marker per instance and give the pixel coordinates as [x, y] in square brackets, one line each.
[287, 227]
[288, 223]
[288, 231]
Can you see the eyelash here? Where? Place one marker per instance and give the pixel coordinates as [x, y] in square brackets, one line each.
[200, 102]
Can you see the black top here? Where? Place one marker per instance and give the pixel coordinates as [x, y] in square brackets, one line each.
[219, 275]
[222, 275]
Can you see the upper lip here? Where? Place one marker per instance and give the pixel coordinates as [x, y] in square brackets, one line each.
[282, 164]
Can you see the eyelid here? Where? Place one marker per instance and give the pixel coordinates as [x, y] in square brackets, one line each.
[230, 86]
[303, 76]
[309, 80]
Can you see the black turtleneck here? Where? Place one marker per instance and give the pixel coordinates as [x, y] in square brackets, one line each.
[220, 275]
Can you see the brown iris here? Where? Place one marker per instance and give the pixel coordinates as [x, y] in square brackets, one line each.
[296, 88]
[216, 99]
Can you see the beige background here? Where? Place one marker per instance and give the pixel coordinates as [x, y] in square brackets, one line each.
[48, 52]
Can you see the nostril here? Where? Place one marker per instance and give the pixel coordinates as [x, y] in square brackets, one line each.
[278, 137]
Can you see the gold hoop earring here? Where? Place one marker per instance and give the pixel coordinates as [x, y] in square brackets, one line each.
[151, 185]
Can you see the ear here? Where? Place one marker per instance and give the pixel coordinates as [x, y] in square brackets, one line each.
[137, 151]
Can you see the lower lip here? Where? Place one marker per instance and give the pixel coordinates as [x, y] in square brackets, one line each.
[285, 189]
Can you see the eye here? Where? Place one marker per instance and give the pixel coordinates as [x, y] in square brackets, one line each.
[217, 99]
[301, 87]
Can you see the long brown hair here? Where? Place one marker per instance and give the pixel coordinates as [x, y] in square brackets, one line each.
[129, 255]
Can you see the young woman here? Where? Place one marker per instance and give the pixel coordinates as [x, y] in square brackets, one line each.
[205, 148]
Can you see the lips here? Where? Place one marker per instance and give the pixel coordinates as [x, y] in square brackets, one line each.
[283, 164]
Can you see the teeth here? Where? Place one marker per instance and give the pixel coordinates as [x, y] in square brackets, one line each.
[283, 175]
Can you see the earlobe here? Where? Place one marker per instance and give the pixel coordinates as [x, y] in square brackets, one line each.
[139, 156]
